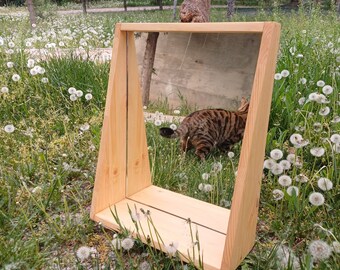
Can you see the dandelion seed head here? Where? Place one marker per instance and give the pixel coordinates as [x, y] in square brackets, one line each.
[9, 128]
[285, 164]
[269, 163]
[296, 138]
[317, 151]
[73, 97]
[319, 250]
[177, 111]
[207, 188]
[158, 122]
[15, 77]
[28, 44]
[278, 76]
[85, 127]
[116, 243]
[317, 127]
[11, 44]
[44, 80]
[278, 194]
[303, 80]
[285, 180]
[302, 101]
[173, 126]
[292, 190]
[301, 178]
[276, 154]
[83, 253]
[10, 64]
[320, 83]
[285, 73]
[335, 138]
[336, 148]
[325, 184]
[79, 93]
[216, 167]
[205, 176]
[72, 90]
[336, 247]
[4, 90]
[88, 96]
[336, 119]
[327, 89]
[127, 243]
[316, 198]
[300, 55]
[292, 50]
[144, 266]
[277, 169]
[231, 154]
[171, 248]
[324, 111]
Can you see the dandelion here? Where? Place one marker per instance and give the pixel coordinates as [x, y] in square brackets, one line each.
[291, 190]
[292, 50]
[286, 257]
[278, 76]
[88, 96]
[300, 55]
[127, 243]
[10, 64]
[316, 198]
[157, 122]
[324, 111]
[276, 154]
[312, 96]
[319, 250]
[301, 178]
[302, 101]
[269, 163]
[177, 111]
[83, 253]
[61, 44]
[34, 25]
[79, 93]
[73, 97]
[336, 247]
[37, 190]
[320, 83]
[116, 243]
[295, 138]
[285, 164]
[278, 194]
[335, 138]
[317, 127]
[336, 119]
[231, 154]
[285, 73]
[303, 80]
[85, 127]
[205, 176]
[15, 77]
[30, 63]
[28, 44]
[9, 128]
[11, 44]
[171, 248]
[173, 126]
[217, 167]
[276, 169]
[4, 90]
[325, 184]
[327, 89]
[72, 90]
[317, 151]
[207, 188]
[321, 99]
[336, 148]
[285, 180]
[44, 80]
[145, 266]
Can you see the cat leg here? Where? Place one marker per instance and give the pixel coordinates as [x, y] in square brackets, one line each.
[203, 148]
[225, 146]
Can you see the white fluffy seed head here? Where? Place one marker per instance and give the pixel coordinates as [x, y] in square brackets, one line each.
[325, 184]
[316, 198]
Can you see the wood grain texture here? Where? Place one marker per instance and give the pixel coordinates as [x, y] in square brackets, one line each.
[244, 210]
[231, 27]
[109, 185]
[170, 227]
[138, 170]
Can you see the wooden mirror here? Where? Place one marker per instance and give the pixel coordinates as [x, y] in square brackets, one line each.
[123, 179]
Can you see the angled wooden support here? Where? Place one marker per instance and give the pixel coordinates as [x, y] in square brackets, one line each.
[123, 179]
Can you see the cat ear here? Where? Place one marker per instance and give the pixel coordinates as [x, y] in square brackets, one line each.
[243, 101]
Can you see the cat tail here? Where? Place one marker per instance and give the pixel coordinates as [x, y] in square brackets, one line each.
[168, 133]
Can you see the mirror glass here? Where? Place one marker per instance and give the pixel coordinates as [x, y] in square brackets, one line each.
[192, 72]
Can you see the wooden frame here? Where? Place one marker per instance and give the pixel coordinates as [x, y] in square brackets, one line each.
[226, 236]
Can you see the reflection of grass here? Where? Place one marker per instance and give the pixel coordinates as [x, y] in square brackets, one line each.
[48, 162]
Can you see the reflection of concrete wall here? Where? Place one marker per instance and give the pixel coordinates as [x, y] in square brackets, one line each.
[209, 70]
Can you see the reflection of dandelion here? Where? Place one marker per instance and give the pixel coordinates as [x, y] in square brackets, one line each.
[316, 198]
[285, 180]
[325, 184]
[278, 194]
[317, 151]
[320, 250]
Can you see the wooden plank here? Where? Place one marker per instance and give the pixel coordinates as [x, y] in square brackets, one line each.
[138, 172]
[245, 203]
[171, 229]
[199, 212]
[230, 27]
[109, 185]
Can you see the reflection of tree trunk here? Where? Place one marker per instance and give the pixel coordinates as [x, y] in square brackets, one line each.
[30, 6]
[195, 11]
[125, 5]
[148, 61]
[174, 10]
[230, 9]
[84, 7]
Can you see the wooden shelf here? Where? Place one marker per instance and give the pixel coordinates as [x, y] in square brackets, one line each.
[169, 212]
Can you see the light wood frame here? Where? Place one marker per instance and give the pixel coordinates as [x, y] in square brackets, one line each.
[123, 178]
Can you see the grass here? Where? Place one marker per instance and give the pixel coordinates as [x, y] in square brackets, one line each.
[48, 162]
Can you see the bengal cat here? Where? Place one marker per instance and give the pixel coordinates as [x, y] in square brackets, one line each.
[209, 128]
